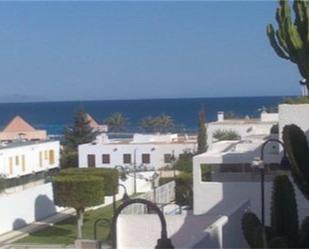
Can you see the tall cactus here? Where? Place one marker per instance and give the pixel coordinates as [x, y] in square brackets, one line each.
[284, 216]
[291, 40]
[250, 222]
[298, 153]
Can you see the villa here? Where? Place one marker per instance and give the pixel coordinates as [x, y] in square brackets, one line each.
[18, 129]
[147, 152]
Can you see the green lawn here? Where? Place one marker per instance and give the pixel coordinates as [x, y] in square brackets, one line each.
[64, 232]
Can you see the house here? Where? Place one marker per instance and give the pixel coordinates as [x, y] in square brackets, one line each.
[94, 125]
[242, 127]
[19, 129]
[21, 158]
[148, 152]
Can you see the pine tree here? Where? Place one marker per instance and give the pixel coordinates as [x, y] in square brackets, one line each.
[80, 132]
[202, 133]
[75, 135]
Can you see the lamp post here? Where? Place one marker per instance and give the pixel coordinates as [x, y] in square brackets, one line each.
[162, 242]
[134, 170]
[125, 197]
[284, 165]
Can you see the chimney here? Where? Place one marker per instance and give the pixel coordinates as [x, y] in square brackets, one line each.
[220, 116]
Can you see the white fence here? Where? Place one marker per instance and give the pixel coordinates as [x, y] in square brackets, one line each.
[162, 195]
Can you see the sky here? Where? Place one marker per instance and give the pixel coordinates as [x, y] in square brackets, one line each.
[140, 50]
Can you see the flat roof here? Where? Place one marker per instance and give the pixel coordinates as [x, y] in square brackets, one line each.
[24, 143]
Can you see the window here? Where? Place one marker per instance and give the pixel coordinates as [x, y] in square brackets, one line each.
[17, 160]
[91, 160]
[41, 158]
[126, 158]
[23, 163]
[106, 159]
[146, 158]
[46, 154]
[51, 157]
[11, 165]
[167, 158]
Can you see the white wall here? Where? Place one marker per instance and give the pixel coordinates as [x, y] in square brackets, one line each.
[217, 197]
[36, 203]
[116, 151]
[26, 206]
[185, 231]
[31, 153]
[294, 114]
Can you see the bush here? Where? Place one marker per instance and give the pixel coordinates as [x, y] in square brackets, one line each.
[77, 191]
[206, 172]
[2, 183]
[164, 180]
[274, 129]
[110, 177]
[184, 162]
[298, 100]
[226, 135]
[184, 192]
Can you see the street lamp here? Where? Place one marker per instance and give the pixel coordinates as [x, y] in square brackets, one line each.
[162, 242]
[259, 163]
[124, 199]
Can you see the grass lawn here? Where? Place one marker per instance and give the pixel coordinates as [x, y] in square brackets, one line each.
[64, 232]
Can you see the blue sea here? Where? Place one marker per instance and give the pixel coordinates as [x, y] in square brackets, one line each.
[54, 116]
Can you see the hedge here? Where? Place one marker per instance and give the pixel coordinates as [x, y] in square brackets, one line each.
[77, 191]
[110, 177]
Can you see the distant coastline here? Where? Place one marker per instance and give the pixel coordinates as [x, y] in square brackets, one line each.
[55, 115]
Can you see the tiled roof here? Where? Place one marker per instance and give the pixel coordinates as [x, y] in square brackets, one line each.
[92, 122]
[18, 124]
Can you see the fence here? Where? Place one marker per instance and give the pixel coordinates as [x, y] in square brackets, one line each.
[162, 196]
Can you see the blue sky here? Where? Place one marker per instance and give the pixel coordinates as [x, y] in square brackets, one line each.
[129, 50]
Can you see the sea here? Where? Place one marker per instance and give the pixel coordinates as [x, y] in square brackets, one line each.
[54, 116]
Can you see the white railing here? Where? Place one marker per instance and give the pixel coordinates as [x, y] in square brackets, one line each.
[162, 196]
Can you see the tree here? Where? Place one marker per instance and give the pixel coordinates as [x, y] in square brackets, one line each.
[79, 133]
[78, 192]
[116, 122]
[202, 133]
[161, 123]
[290, 41]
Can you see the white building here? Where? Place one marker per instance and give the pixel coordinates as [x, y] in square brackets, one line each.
[26, 157]
[145, 151]
[243, 127]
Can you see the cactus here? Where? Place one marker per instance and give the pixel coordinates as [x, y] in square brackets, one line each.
[304, 234]
[278, 242]
[284, 216]
[298, 153]
[290, 41]
[250, 222]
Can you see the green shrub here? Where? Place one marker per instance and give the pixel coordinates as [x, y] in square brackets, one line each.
[184, 192]
[274, 129]
[184, 162]
[297, 100]
[110, 177]
[206, 172]
[164, 180]
[223, 135]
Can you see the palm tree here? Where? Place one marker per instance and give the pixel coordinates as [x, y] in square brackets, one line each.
[161, 123]
[116, 122]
